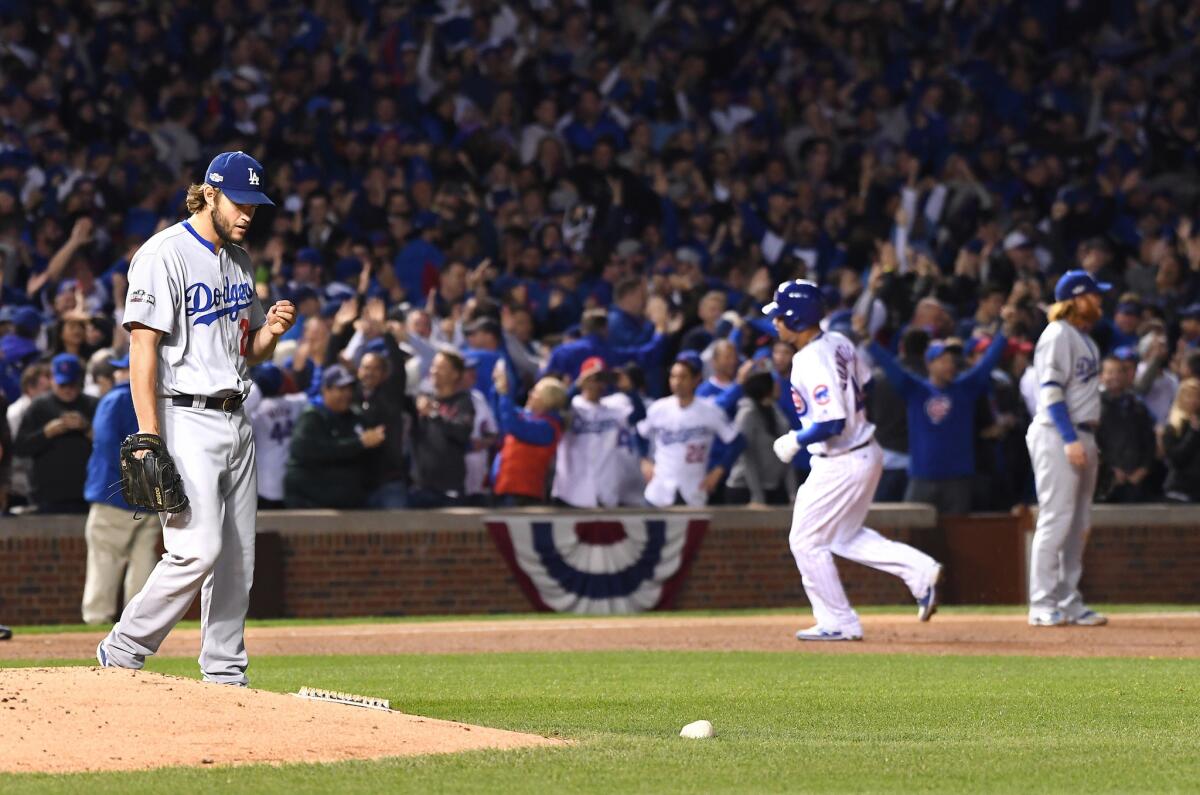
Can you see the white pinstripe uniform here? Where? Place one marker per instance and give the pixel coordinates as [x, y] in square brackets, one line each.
[832, 504]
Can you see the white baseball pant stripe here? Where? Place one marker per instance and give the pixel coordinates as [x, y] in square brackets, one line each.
[210, 547]
[1064, 517]
[831, 506]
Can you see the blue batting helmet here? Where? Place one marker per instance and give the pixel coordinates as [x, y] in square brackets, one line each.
[798, 303]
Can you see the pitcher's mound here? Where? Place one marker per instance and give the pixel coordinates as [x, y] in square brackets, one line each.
[63, 720]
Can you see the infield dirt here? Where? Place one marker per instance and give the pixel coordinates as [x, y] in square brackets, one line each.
[1128, 635]
[65, 720]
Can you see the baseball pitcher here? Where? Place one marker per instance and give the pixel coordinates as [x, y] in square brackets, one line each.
[196, 325]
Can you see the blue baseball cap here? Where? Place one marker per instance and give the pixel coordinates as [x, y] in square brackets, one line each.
[939, 348]
[1078, 282]
[1125, 353]
[309, 255]
[690, 360]
[347, 268]
[336, 377]
[120, 362]
[1129, 308]
[239, 176]
[269, 378]
[67, 369]
[26, 317]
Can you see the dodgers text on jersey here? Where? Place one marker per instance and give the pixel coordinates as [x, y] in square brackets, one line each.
[223, 301]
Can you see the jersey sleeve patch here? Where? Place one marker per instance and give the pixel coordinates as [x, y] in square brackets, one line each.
[151, 298]
[799, 402]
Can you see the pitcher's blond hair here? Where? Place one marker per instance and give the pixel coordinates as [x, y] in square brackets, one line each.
[1062, 310]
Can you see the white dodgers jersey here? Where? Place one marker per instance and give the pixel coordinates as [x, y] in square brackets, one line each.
[682, 437]
[273, 419]
[1069, 359]
[204, 303]
[828, 378]
[589, 467]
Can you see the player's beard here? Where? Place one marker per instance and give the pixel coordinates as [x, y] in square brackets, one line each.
[1089, 312]
[224, 230]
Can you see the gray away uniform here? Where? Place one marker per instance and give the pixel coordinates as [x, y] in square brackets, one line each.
[1066, 363]
[206, 307]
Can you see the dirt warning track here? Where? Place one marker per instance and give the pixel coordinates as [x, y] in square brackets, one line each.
[1128, 635]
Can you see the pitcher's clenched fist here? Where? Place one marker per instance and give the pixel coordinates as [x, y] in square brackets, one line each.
[281, 317]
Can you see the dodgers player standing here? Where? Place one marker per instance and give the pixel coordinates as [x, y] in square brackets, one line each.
[1062, 447]
[195, 326]
[832, 504]
[587, 473]
[683, 428]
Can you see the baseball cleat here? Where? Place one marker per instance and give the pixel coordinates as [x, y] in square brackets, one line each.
[1054, 618]
[1088, 618]
[5, 633]
[927, 604]
[820, 633]
[101, 655]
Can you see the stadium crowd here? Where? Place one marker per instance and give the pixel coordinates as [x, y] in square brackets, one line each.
[511, 227]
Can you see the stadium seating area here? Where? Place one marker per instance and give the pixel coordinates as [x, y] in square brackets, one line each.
[474, 197]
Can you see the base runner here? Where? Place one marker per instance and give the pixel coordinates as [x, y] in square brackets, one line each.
[832, 504]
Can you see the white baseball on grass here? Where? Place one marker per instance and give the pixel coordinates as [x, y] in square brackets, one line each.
[697, 730]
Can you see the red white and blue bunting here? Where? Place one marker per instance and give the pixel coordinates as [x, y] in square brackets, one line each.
[599, 564]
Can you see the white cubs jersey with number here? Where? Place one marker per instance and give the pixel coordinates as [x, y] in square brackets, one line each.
[682, 437]
[273, 419]
[588, 469]
[828, 378]
[204, 303]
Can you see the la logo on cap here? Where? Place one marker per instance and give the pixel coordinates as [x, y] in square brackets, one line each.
[253, 176]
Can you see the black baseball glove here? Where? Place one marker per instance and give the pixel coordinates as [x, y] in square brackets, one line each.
[150, 482]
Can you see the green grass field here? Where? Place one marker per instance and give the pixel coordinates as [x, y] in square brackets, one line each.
[785, 722]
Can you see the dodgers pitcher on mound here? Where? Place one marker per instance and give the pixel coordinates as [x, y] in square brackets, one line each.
[832, 504]
[196, 325]
[1062, 447]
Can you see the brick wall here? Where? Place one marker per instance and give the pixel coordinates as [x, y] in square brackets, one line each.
[41, 578]
[329, 564]
[1143, 564]
[422, 572]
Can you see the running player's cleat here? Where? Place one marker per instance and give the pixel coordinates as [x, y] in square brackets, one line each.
[927, 604]
[819, 633]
